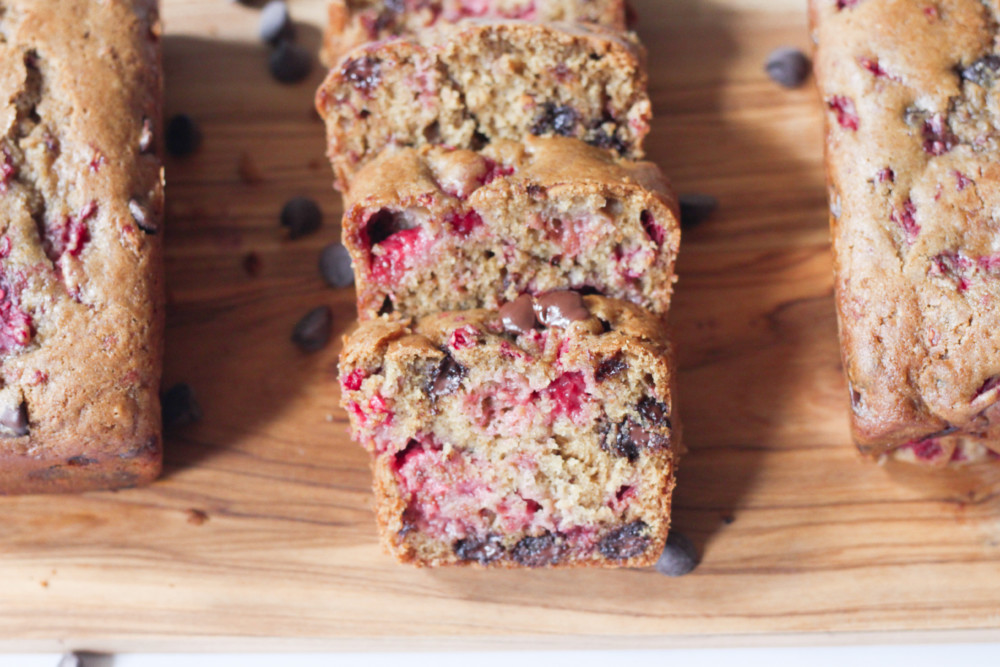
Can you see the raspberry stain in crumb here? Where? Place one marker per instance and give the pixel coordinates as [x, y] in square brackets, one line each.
[905, 219]
[15, 324]
[925, 450]
[353, 381]
[7, 170]
[567, 393]
[962, 181]
[873, 66]
[464, 223]
[938, 137]
[886, 175]
[654, 231]
[847, 115]
[70, 237]
[464, 338]
[495, 170]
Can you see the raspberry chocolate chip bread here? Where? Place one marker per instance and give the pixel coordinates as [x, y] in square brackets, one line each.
[354, 22]
[913, 155]
[436, 229]
[81, 195]
[467, 84]
[542, 434]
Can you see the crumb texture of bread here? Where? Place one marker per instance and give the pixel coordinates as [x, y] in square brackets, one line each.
[572, 80]
[539, 435]
[435, 229]
[81, 291]
[354, 22]
[913, 159]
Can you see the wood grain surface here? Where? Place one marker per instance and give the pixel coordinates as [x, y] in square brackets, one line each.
[261, 534]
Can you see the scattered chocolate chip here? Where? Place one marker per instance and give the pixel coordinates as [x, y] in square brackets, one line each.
[247, 170]
[626, 542]
[275, 22]
[559, 309]
[788, 67]
[445, 378]
[70, 660]
[482, 550]
[679, 556]
[984, 71]
[146, 136]
[301, 216]
[180, 407]
[560, 120]
[610, 367]
[252, 264]
[14, 420]
[601, 136]
[290, 63]
[141, 217]
[364, 73]
[335, 266]
[312, 332]
[183, 135]
[518, 316]
[537, 551]
[696, 208]
[653, 412]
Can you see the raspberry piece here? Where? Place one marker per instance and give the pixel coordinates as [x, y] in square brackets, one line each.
[952, 265]
[886, 175]
[938, 137]
[963, 181]
[905, 219]
[15, 324]
[353, 381]
[653, 230]
[495, 170]
[989, 384]
[464, 223]
[567, 392]
[873, 66]
[926, 450]
[7, 170]
[847, 115]
[464, 338]
[397, 254]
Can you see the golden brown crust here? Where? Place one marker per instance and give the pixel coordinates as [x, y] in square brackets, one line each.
[80, 140]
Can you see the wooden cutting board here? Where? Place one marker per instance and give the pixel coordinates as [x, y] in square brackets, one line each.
[261, 535]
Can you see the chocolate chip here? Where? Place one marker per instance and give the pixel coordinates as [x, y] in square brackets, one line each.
[183, 135]
[554, 119]
[141, 217]
[364, 73]
[679, 556]
[290, 63]
[275, 22]
[70, 660]
[537, 551]
[14, 420]
[301, 216]
[610, 367]
[618, 441]
[982, 72]
[482, 550]
[696, 208]
[788, 67]
[653, 412]
[559, 309]
[445, 378]
[179, 406]
[146, 136]
[518, 316]
[335, 266]
[601, 136]
[626, 542]
[312, 332]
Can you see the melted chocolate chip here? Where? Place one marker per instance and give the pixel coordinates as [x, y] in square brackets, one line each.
[610, 367]
[559, 309]
[560, 120]
[518, 316]
[618, 441]
[14, 420]
[626, 542]
[537, 551]
[483, 550]
[445, 378]
[141, 217]
[364, 73]
[679, 556]
[653, 412]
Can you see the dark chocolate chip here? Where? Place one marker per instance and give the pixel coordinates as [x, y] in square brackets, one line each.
[301, 216]
[653, 412]
[626, 542]
[679, 556]
[696, 208]
[275, 22]
[312, 332]
[518, 316]
[180, 406]
[618, 441]
[537, 551]
[14, 420]
[610, 367]
[483, 550]
[290, 63]
[183, 135]
[445, 378]
[600, 135]
[560, 120]
[788, 67]
[364, 73]
[559, 309]
[984, 71]
[335, 266]
[252, 264]
[70, 660]
[146, 136]
[141, 217]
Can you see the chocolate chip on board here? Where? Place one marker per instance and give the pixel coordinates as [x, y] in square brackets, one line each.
[180, 406]
[290, 63]
[183, 135]
[312, 332]
[679, 556]
[275, 22]
[301, 216]
[335, 266]
[696, 208]
[788, 67]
